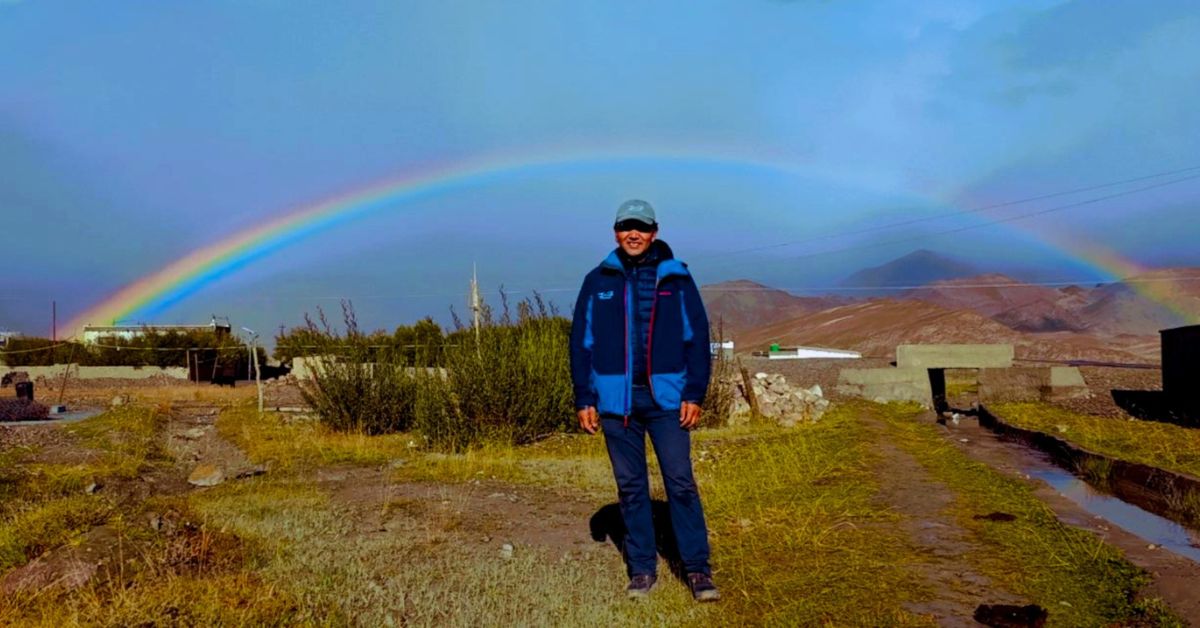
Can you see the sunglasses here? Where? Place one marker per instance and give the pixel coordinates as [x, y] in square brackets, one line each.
[635, 225]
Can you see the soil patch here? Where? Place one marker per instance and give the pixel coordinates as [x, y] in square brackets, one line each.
[480, 513]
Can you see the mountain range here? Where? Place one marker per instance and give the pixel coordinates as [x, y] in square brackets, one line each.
[935, 299]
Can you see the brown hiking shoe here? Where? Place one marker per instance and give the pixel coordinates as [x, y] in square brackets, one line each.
[703, 589]
[640, 585]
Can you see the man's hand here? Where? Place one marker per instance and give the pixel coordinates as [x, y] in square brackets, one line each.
[689, 415]
[588, 419]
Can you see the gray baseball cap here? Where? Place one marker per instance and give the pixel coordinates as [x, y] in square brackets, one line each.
[636, 210]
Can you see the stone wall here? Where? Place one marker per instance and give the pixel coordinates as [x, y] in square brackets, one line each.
[887, 384]
[100, 372]
[1047, 383]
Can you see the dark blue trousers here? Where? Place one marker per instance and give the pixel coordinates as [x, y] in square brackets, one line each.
[672, 445]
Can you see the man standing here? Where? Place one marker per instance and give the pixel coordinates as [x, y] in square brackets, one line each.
[640, 365]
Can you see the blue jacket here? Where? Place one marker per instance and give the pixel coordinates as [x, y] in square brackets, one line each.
[677, 351]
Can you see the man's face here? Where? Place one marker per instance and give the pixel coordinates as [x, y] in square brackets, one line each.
[635, 238]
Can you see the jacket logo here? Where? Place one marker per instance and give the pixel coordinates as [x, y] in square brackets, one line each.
[604, 296]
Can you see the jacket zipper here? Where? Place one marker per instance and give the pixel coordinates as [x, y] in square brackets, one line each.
[650, 343]
[628, 375]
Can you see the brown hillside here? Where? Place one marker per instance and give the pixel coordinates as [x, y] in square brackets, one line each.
[744, 304]
[877, 326]
[1159, 299]
[1010, 302]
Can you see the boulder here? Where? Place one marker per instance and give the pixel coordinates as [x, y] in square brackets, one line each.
[206, 475]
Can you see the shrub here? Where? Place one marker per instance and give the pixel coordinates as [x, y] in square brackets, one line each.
[512, 380]
[356, 386]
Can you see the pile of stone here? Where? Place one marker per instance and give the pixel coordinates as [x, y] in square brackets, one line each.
[778, 401]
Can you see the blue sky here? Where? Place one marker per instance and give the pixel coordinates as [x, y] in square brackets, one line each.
[133, 132]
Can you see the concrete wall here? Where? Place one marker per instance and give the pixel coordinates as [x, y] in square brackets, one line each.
[100, 372]
[954, 356]
[887, 384]
[1031, 384]
[304, 368]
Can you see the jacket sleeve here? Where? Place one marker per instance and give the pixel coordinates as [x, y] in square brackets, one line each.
[581, 348]
[698, 354]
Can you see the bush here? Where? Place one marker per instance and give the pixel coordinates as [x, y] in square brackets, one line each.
[22, 410]
[508, 382]
[512, 380]
[355, 386]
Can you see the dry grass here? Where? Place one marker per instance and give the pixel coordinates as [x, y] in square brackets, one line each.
[798, 532]
[301, 445]
[791, 513]
[1157, 444]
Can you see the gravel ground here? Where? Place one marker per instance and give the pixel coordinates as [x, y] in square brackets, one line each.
[1103, 380]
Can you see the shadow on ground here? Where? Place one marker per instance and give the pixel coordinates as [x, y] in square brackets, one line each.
[1156, 405]
[607, 524]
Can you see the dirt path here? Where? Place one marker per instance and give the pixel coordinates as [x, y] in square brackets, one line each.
[908, 489]
[192, 439]
[482, 514]
[1175, 577]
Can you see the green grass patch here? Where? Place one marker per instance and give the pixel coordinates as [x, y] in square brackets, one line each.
[1152, 443]
[45, 503]
[799, 537]
[1081, 580]
[27, 533]
[301, 445]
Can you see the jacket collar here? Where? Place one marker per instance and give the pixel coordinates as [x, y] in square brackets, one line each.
[668, 266]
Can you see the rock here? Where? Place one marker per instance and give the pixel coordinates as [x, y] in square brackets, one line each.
[55, 569]
[506, 551]
[155, 521]
[326, 475]
[206, 475]
[761, 376]
[196, 433]
[816, 391]
[93, 488]
[119, 401]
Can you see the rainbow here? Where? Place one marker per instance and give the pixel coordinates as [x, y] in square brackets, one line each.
[154, 293]
[1151, 285]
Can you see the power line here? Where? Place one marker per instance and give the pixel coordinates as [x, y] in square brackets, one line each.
[976, 210]
[941, 286]
[998, 221]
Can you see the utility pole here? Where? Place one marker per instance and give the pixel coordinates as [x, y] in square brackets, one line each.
[476, 302]
[252, 344]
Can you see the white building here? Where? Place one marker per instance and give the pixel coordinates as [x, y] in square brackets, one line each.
[93, 334]
[725, 348]
[810, 353]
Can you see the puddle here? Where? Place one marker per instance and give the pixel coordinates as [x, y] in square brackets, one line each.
[65, 417]
[1146, 525]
